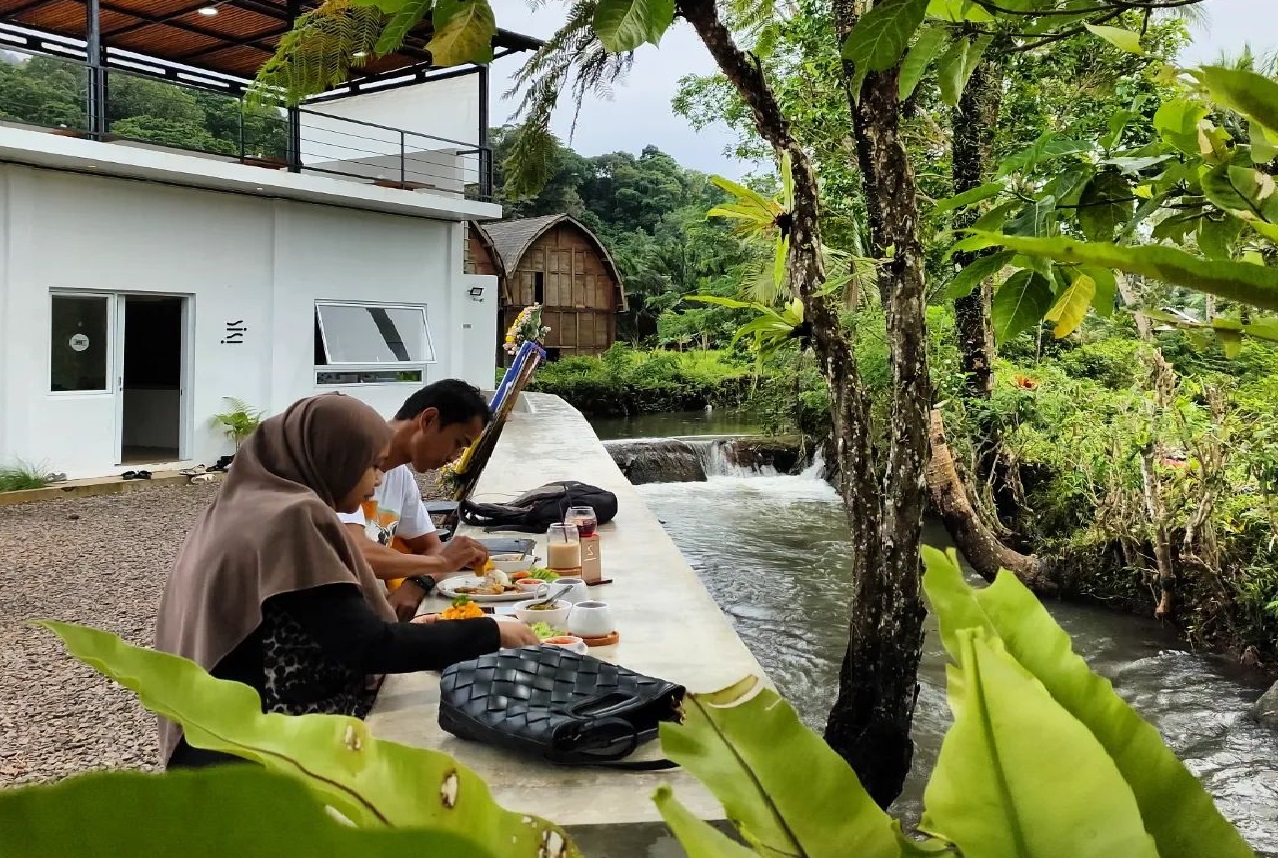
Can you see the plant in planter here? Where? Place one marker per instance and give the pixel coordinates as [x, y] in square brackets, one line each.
[239, 422]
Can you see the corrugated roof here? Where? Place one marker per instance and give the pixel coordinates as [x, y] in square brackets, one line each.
[236, 41]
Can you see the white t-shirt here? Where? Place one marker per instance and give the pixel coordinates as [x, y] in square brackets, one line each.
[400, 511]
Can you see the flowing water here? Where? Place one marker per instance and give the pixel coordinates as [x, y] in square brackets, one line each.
[773, 551]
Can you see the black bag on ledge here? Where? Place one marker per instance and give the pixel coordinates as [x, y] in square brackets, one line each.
[536, 510]
[568, 709]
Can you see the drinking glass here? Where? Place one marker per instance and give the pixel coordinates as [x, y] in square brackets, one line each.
[585, 519]
[563, 547]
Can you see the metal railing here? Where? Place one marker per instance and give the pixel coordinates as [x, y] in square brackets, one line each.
[49, 90]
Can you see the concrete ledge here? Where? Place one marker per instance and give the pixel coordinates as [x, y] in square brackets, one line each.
[670, 628]
[96, 487]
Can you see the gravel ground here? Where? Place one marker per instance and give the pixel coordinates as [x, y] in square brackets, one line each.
[102, 562]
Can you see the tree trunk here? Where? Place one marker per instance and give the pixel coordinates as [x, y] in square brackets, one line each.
[878, 686]
[869, 724]
[982, 548]
[972, 146]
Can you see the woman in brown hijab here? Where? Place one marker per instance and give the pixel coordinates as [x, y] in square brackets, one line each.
[269, 591]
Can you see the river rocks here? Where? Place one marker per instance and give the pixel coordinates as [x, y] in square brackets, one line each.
[663, 460]
[1265, 710]
[784, 455]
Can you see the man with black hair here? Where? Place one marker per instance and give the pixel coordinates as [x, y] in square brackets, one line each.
[433, 427]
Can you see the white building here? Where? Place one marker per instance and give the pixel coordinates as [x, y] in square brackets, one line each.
[141, 288]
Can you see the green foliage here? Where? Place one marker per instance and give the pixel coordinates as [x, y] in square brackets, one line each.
[1093, 732]
[51, 92]
[624, 381]
[210, 813]
[371, 782]
[239, 422]
[463, 32]
[880, 37]
[1020, 303]
[623, 25]
[319, 51]
[20, 476]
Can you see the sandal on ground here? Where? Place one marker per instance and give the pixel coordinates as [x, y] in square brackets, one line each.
[55, 478]
[202, 478]
[130, 475]
[193, 472]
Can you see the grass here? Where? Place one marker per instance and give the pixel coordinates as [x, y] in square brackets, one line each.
[21, 476]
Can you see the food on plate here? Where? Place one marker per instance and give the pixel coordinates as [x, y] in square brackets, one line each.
[542, 574]
[544, 606]
[562, 640]
[495, 583]
[462, 609]
[519, 576]
[545, 631]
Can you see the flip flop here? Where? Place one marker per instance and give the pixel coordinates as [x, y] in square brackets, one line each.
[55, 478]
[193, 472]
[202, 478]
[130, 475]
[143, 475]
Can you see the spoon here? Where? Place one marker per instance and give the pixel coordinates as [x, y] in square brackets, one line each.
[553, 597]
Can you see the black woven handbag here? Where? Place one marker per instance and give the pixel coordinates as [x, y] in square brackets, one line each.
[569, 709]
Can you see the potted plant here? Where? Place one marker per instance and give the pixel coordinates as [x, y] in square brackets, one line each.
[239, 422]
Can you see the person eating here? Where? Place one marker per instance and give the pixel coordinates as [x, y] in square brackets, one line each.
[270, 590]
[394, 531]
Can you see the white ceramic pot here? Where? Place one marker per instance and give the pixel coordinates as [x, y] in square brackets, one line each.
[554, 616]
[591, 619]
[578, 593]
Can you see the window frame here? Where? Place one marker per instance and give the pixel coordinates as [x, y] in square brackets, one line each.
[387, 366]
[109, 388]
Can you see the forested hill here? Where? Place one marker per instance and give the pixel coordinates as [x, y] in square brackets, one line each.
[651, 214]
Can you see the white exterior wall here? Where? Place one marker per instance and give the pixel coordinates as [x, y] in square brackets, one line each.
[433, 113]
[240, 258]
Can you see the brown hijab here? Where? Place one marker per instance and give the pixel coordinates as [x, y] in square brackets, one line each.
[272, 529]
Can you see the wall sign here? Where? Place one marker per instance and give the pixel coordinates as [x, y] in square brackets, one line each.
[235, 333]
[79, 342]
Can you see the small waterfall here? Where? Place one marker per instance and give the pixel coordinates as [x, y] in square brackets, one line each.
[697, 458]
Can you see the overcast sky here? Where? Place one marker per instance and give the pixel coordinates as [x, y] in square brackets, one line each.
[640, 113]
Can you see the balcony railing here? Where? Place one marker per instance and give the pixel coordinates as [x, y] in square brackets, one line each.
[52, 91]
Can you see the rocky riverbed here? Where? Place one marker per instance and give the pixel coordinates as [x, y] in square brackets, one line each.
[99, 561]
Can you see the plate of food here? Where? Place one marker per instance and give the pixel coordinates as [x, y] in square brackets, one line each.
[496, 586]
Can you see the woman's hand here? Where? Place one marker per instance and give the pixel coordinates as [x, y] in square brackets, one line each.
[425, 618]
[515, 634]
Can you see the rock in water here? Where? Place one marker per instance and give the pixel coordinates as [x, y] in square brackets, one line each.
[660, 460]
[1266, 708]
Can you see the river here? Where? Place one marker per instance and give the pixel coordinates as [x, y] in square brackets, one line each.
[772, 550]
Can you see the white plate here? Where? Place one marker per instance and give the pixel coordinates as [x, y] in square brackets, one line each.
[448, 589]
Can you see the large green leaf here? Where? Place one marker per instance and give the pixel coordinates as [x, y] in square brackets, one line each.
[880, 37]
[1244, 192]
[952, 68]
[1237, 281]
[463, 32]
[916, 63]
[408, 16]
[1105, 206]
[698, 838]
[969, 197]
[1017, 776]
[1036, 217]
[979, 269]
[371, 781]
[1253, 95]
[1048, 147]
[1176, 810]
[959, 11]
[623, 25]
[1106, 290]
[240, 811]
[1020, 303]
[1216, 235]
[1177, 122]
[1126, 40]
[1071, 307]
[783, 786]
